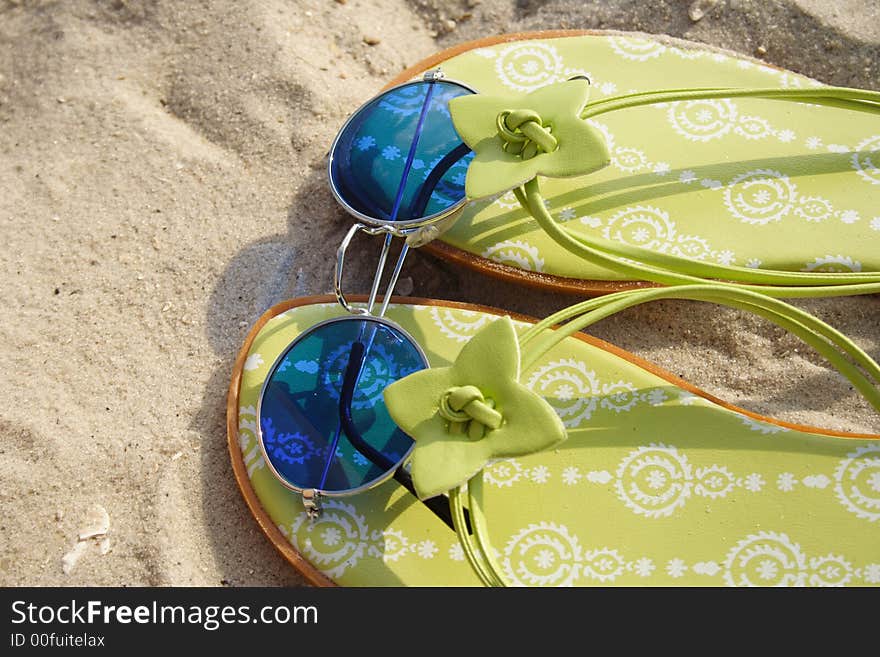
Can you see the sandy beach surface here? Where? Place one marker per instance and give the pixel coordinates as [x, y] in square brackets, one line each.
[162, 184]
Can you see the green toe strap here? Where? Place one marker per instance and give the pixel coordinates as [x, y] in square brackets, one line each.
[449, 461]
[666, 269]
[546, 133]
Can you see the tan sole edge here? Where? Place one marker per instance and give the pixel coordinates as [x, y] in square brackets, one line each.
[312, 574]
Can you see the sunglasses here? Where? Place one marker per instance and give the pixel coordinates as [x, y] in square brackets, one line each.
[398, 166]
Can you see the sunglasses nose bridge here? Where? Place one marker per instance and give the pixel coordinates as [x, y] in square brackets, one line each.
[389, 232]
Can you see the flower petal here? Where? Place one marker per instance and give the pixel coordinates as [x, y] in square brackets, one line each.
[580, 148]
[492, 171]
[473, 116]
[490, 358]
[441, 462]
[530, 424]
[413, 400]
[443, 459]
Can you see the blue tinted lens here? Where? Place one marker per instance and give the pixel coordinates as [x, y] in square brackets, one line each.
[399, 157]
[309, 441]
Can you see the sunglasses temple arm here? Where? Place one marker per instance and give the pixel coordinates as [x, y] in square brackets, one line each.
[380, 269]
[438, 505]
[392, 283]
[433, 179]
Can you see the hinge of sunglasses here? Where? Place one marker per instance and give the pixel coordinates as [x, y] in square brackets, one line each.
[312, 502]
[434, 75]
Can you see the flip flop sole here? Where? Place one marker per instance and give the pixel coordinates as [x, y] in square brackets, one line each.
[657, 484]
[756, 183]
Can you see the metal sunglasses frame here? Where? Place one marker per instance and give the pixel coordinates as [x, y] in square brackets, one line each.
[416, 231]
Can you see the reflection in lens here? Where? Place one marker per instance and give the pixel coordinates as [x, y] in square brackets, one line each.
[372, 169]
[303, 436]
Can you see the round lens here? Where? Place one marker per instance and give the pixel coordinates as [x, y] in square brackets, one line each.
[323, 421]
[399, 157]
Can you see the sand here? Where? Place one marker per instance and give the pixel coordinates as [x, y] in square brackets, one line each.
[162, 168]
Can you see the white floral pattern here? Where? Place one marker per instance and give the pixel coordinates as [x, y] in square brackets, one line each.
[458, 325]
[529, 66]
[575, 392]
[251, 453]
[504, 473]
[628, 158]
[772, 559]
[708, 120]
[547, 554]
[866, 160]
[517, 253]
[340, 538]
[764, 196]
[856, 482]
[650, 227]
[656, 480]
[636, 49]
[830, 263]
[762, 427]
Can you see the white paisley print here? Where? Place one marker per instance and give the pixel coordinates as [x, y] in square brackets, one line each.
[764, 196]
[656, 480]
[866, 160]
[340, 538]
[458, 325]
[628, 158]
[772, 559]
[655, 485]
[516, 253]
[708, 120]
[550, 554]
[529, 66]
[247, 439]
[857, 482]
[575, 392]
[651, 228]
[830, 263]
[504, 473]
[547, 554]
[641, 50]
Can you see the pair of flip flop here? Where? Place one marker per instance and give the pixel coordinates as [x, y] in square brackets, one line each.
[585, 465]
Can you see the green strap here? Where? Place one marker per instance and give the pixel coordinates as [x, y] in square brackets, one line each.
[840, 97]
[476, 546]
[841, 352]
[642, 264]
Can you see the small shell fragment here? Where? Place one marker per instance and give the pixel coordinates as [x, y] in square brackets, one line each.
[97, 523]
[68, 561]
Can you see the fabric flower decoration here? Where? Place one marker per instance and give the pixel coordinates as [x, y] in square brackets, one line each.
[515, 138]
[466, 415]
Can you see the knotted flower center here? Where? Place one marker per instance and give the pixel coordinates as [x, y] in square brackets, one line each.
[524, 133]
[467, 411]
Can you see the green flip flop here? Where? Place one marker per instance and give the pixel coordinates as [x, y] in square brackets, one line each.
[719, 179]
[526, 453]
[657, 482]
